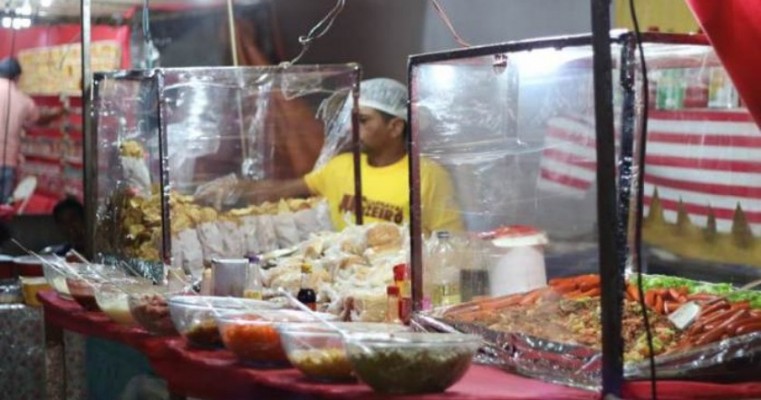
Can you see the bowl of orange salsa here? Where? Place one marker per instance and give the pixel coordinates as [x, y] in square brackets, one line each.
[252, 336]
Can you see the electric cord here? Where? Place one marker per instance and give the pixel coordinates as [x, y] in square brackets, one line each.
[642, 151]
[319, 30]
[445, 18]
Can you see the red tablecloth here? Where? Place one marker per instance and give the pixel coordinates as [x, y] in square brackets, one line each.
[217, 375]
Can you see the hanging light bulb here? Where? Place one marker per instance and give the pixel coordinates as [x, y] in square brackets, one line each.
[46, 3]
[20, 23]
[25, 9]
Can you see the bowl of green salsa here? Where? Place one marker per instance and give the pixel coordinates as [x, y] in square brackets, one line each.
[411, 362]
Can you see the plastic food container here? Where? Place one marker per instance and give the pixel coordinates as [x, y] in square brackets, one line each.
[112, 298]
[516, 263]
[57, 280]
[30, 287]
[150, 309]
[193, 316]
[411, 362]
[253, 336]
[83, 291]
[319, 352]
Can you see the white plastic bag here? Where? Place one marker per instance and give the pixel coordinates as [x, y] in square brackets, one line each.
[248, 231]
[232, 243]
[136, 174]
[187, 252]
[286, 230]
[306, 223]
[265, 233]
[211, 241]
[323, 216]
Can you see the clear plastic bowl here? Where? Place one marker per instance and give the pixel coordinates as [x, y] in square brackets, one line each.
[411, 362]
[112, 298]
[82, 279]
[193, 316]
[318, 351]
[253, 337]
[57, 280]
[150, 309]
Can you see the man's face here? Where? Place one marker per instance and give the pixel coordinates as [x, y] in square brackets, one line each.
[375, 132]
[72, 226]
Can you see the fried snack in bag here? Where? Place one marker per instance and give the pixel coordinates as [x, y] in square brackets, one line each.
[232, 243]
[265, 232]
[134, 167]
[285, 230]
[211, 240]
[187, 252]
[248, 231]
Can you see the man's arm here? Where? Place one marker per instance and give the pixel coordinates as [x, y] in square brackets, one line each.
[259, 191]
[34, 116]
[255, 192]
[45, 118]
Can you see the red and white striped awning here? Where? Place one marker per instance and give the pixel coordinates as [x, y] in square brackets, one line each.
[710, 160]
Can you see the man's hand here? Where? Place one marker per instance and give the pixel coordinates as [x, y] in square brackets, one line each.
[218, 192]
[50, 115]
[256, 192]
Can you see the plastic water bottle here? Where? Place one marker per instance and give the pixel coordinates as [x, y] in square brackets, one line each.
[445, 271]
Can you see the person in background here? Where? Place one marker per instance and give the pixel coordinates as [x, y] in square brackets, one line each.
[16, 111]
[69, 216]
[385, 170]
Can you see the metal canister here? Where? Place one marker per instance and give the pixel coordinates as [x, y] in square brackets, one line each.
[229, 276]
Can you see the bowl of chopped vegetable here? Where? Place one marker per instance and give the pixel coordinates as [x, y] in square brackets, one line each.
[411, 362]
[318, 351]
[253, 337]
[193, 316]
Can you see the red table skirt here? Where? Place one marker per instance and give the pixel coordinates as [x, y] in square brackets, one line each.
[217, 375]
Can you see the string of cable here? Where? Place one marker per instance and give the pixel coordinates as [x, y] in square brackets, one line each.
[7, 131]
[640, 192]
[319, 30]
[445, 18]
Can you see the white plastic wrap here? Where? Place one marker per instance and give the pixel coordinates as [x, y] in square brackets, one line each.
[212, 242]
[188, 253]
[306, 223]
[285, 229]
[233, 244]
[265, 232]
[248, 230]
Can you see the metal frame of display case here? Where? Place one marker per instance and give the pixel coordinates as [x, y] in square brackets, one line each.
[157, 77]
[612, 204]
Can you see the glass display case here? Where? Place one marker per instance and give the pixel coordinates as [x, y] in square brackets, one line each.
[513, 125]
[174, 145]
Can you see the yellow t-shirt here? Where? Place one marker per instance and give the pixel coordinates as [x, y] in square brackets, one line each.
[386, 192]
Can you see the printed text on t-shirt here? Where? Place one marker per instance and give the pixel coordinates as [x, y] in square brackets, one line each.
[373, 209]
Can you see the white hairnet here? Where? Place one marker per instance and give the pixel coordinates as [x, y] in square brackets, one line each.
[384, 94]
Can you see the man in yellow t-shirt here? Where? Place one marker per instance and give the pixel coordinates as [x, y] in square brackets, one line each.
[385, 192]
[385, 170]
